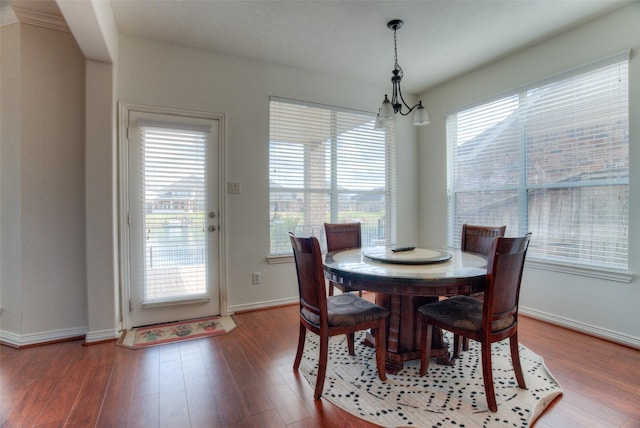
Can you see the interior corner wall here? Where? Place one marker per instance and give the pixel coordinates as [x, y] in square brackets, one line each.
[10, 137]
[599, 307]
[103, 298]
[43, 189]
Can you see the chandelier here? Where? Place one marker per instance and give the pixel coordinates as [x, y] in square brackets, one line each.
[389, 108]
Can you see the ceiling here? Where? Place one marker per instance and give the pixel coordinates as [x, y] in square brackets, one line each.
[439, 39]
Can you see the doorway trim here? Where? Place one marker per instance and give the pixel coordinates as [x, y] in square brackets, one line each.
[124, 273]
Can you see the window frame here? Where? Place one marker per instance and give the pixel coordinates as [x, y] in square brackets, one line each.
[333, 191]
[523, 187]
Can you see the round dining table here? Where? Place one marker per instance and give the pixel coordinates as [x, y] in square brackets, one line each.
[403, 281]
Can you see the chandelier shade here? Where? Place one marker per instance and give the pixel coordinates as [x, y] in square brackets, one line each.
[420, 117]
[397, 104]
[387, 111]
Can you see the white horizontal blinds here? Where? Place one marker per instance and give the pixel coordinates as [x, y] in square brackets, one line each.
[487, 153]
[174, 212]
[578, 167]
[327, 165]
[552, 159]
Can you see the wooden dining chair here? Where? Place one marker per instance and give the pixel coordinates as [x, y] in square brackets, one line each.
[488, 321]
[341, 236]
[478, 239]
[330, 316]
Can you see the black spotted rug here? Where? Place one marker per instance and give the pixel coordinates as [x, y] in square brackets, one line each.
[446, 396]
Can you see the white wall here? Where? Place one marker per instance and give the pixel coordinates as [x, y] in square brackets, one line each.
[601, 307]
[42, 196]
[10, 201]
[167, 75]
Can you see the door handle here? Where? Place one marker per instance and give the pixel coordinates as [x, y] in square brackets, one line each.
[212, 228]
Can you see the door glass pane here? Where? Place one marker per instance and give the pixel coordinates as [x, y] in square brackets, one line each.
[174, 214]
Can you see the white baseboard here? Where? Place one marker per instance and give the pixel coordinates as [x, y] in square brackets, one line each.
[262, 305]
[591, 330]
[19, 340]
[102, 335]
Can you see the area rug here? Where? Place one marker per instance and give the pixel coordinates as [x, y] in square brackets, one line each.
[160, 334]
[446, 396]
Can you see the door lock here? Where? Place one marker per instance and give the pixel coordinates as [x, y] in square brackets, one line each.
[212, 215]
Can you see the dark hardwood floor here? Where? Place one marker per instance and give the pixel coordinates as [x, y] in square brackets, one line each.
[245, 379]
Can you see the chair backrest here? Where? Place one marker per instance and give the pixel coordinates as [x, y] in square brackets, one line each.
[343, 235]
[310, 271]
[504, 274]
[478, 238]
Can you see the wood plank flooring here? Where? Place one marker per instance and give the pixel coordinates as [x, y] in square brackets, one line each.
[245, 379]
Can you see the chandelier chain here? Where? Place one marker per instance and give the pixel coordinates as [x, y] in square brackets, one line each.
[396, 66]
[395, 47]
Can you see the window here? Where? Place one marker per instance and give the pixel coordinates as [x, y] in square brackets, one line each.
[172, 221]
[552, 159]
[328, 164]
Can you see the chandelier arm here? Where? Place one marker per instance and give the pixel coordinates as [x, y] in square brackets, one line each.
[405, 103]
[394, 96]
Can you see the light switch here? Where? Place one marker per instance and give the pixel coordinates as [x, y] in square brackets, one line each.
[233, 187]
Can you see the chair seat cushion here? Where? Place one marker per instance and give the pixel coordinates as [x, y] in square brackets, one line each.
[463, 312]
[348, 309]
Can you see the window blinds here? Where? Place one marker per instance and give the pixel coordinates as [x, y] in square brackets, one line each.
[173, 213]
[552, 159]
[328, 164]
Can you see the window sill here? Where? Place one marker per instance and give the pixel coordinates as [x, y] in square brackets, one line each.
[285, 258]
[600, 273]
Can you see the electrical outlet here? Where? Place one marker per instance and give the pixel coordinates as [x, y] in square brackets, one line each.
[256, 278]
[233, 187]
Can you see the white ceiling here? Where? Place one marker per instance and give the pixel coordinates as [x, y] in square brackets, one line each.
[440, 39]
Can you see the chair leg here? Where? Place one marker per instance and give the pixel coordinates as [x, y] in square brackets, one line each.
[515, 359]
[465, 344]
[425, 349]
[301, 339]
[330, 288]
[322, 366]
[381, 349]
[351, 343]
[487, 375]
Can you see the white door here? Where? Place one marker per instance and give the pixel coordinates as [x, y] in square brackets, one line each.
[173, 218]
